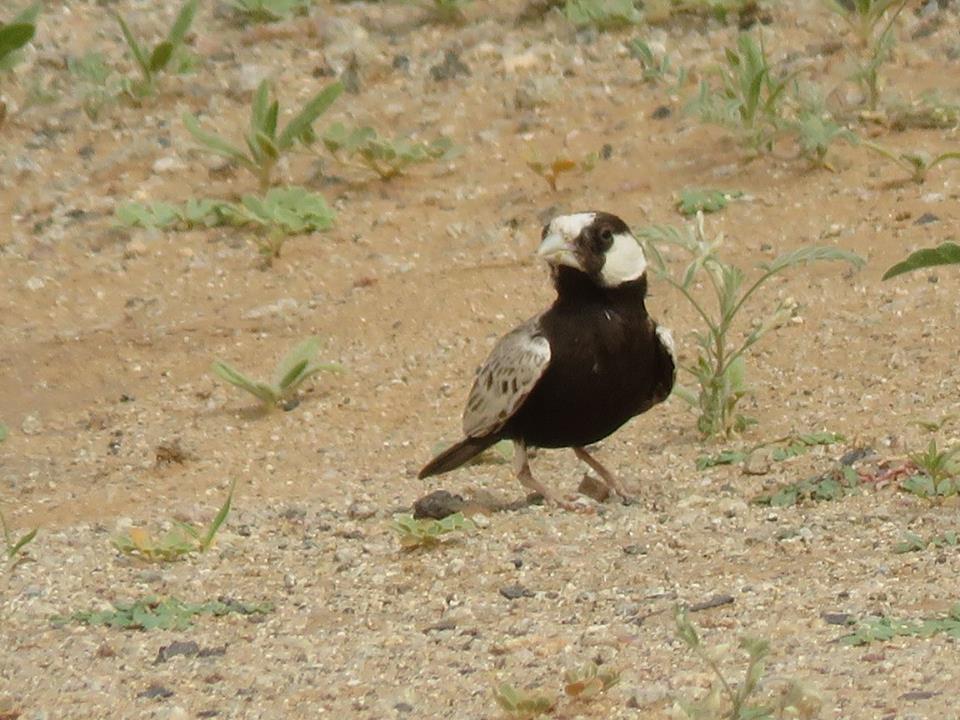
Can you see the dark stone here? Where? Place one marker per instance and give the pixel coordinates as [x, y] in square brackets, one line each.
[402, 707]
[710, 603]
[919, 695]
[633, 550]
[401, 62]
[437, 505]
[178, 647]
[855, 455]
[515, 592]
[155, 691]
[661, 113]
[836, 618]
[926, 219]
[451, 67]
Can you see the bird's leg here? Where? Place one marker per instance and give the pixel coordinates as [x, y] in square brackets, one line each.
[521, 466]
[611, 480]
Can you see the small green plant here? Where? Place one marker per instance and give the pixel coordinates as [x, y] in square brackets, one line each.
[694, 200]
[655, 69]
[298, 365]
[155, 613]
[883, 629]
[3, 432]
[15, 34]
[816, 131]
[264, 144]
[14, 548]
[266, 11]
[738, 701]
[784, 448]
[749, 98]
[552, 170]
[387, 158]
[947, 253]
[98, 86]
[914, 543]
[720, 368]
[523, 704]
[589, 681]
[939, 474]
[918, 164]
[444, 12]
[602, 14]
[163, 53]
[871, 22]
[181, 540]
[426, 532]
[833, 485]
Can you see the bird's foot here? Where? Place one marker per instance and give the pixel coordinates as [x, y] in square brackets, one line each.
[613, 483]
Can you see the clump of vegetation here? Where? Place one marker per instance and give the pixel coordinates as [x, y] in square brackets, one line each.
[884, 629]
[947, 253]
[387, 158]
[445, 12]
[3, 432]
[655, 69]
[521, 704]
[917, 164]
[265, 145]
[98, 86]
[552, 170]
[602, 14]
[816, 131]
[155, 613]
[720, 368]
[14, 548]
[939, 474]
[426, 532]
[729, 700]
[588, 681]
[833, 485]
[914, 543]
[158, 59]
[705, 200]
[266, 11]
[181, 540]
[749, 97]
[299, 365]
[784, 448]
[15, 34]
[662, 10]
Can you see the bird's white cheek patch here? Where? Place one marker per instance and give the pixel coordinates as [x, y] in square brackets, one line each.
[666, 337]
[624, 261]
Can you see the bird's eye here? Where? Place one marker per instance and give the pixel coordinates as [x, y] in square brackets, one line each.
[606, 239]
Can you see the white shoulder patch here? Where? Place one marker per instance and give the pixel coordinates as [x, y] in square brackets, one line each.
[624, 261]
[506, 379]
[666, 337]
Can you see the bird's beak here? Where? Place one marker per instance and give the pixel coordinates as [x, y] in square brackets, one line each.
[556, 250]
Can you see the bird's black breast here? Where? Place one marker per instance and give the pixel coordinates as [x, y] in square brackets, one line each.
[607, 364]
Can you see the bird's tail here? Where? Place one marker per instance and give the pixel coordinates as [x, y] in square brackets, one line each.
[455, 456]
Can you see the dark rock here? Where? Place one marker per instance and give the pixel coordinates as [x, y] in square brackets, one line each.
[451, 67]
[855, 455]
[919, 695]
[634, 550]
[836, 618]
[661, 113]
[401, 63]
[178, 647]
[437, 505]
[926, 219]
[440, 626]
[217, 651]
[155, 691]
[710, 603]
[515, 592]
[402, 707]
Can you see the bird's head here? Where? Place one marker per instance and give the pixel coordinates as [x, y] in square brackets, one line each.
[598, 244]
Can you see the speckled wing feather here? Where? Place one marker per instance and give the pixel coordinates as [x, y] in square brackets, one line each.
[506, 379]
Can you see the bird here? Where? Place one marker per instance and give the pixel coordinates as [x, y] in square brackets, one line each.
[575, 373]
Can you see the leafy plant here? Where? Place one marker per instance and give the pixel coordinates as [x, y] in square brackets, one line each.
[720, 368]
[98, 87]
[816, 130]
[602, 14]
[298, 365]
[155, 613]
[13, 547]
[523, 705]
[940, 472]
[789, 446]
[833, 485]
[655, 69]
[387, 158]
[738, 701]
[264, 144]
[918, 164]
[551, 171]
[163, 53]
[269, 10]
[883, 629]
[947, 253]
[914, 543]
[17, 33]
[3, 432]
[447, 12]
[749, 96]
[181, 540]
[662, 10]
[426, 532]
[694, 200]
[589, 681]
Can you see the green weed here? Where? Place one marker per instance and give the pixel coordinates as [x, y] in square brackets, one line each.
[3, 432]
[729, 700]
[266, 11]
[918, 164]
[98, 86]
[552, 170]
[784, 448]
[161, 55]
[833, 485]
[694, 200]
[602, 14]
[816, 131]
[657, 11]
[588, 681]
[947, 253]
[749, 97]
[426, 532]
[387, 158]
[298, 365]
[939, 472]
[155, 613]
[181, 540]
[264, 144]
[14, 548]
[15, 34]
[882, 629]
[655, 69]
[523, 704]
[444, 12]
[720, 368]
[914, 543]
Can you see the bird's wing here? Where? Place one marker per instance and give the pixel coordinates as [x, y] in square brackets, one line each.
[516, 364]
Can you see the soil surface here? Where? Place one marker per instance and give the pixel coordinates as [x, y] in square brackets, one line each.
[115, 420]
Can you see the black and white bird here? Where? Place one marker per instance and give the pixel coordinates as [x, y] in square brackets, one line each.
[575, 373]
